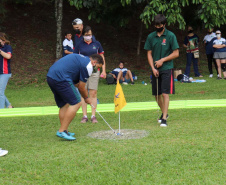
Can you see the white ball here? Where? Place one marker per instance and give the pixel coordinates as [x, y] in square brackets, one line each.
[145, 84]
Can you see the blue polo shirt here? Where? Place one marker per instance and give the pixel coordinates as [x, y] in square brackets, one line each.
[79, 38]
[71, 68]
[5, 63]
[88, 49]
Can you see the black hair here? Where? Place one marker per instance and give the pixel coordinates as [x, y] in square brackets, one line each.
[86, 29]
[159, 19]
[98, 58]
[121, 62]
[67, 32]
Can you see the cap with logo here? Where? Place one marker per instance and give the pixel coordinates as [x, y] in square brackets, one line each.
[77, 21]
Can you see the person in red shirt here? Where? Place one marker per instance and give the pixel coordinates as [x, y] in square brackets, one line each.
[5, 69]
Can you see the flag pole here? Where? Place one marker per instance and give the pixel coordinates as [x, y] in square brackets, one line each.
[119, 122]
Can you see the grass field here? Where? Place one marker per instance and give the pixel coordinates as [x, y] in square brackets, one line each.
[191, 150]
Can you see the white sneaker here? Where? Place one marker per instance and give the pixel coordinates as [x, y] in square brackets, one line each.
[3, 152]
[211, 75]
[125, 83]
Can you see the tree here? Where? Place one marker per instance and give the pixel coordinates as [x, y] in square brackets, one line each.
[209, 12]
[59, 17]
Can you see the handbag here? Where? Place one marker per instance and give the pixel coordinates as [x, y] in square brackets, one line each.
[196, 54]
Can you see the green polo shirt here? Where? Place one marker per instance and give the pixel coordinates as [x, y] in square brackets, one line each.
[162, 47]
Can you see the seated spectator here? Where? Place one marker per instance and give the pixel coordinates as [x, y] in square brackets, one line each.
[67, 44]
[122, 74]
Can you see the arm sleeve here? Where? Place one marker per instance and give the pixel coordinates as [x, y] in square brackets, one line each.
[100, 48]
[174, 43]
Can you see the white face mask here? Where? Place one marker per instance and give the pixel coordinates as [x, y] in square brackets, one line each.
[88, 38]
[218, 35]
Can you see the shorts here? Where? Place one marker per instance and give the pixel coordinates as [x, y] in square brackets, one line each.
[64, 92]
[165, 83]
[219, 55]
[126, 80]
[92, 82]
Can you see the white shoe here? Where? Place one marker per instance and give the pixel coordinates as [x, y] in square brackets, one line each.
[211, 75]
[125, 83]
[3, 152]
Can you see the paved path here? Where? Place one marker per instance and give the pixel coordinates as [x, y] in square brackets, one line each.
[51, 110]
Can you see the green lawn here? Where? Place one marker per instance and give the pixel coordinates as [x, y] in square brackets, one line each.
[191, 150]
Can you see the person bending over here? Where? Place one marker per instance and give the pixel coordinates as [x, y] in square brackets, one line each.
[67, 78]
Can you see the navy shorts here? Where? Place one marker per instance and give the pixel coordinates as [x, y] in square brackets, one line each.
[64, 92]
[165, 83]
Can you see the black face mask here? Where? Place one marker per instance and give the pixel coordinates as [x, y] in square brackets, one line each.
[77, 31]
[159, 29]
[190, 31]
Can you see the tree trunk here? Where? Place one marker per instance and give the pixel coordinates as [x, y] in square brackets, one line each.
[139, 38]
[58, 16]
[139, 43]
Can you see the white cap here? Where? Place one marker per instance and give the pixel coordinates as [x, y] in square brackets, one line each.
[77, 21]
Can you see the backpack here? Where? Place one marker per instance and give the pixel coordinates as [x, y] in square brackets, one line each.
[110, 79]
[183, 78]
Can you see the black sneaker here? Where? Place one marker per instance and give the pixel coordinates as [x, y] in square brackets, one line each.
[219, 78]
[163, 123]
[160, 119]
[132, 83]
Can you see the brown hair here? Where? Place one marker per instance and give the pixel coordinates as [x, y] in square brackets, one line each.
[4, 38]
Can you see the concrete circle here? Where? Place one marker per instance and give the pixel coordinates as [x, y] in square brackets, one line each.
[124, 134]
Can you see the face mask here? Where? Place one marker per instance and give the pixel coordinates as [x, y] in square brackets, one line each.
[88, 38]
[190, 31]
[218, 35]
[77, 31]
[159, 29]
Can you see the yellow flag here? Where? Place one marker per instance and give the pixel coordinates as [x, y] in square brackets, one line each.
[119, 99]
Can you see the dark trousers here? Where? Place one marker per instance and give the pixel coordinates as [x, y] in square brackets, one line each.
[190, 58]
[210, 61]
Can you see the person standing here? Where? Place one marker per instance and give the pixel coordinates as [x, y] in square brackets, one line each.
[220, 54]
[78, 28]
[67, 78]
[162, 47]
[208, 42]
[191, 44]
[5, 69]
[87, 47]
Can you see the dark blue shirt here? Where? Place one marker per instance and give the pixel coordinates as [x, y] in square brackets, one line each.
[117, 70]
[71, 68]
[209, 46]
[5, 63]
[88, 49]
[79, 39]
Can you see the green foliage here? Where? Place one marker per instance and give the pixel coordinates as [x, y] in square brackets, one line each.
[209, 12]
